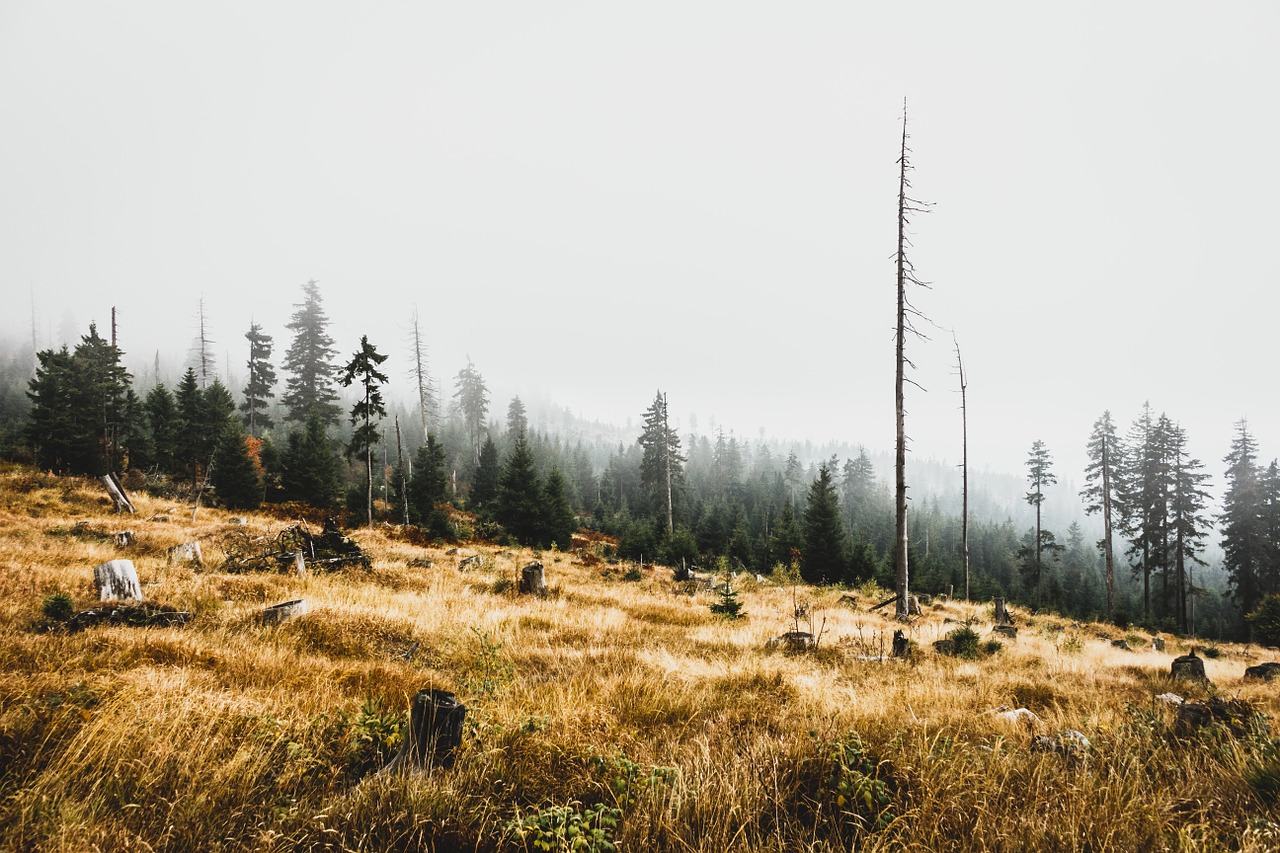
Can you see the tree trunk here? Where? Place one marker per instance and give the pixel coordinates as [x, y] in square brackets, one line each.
[1002, 613]
[435, 731]
[900, 452]
[118, 496]
[117, 580]
[1107, 553]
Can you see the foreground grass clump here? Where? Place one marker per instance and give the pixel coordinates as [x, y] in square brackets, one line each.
[620, 712]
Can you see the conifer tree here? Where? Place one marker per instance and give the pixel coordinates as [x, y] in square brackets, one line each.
[484, 485]
[559, 523]
[1244, 543]
[1188, 519]
[363, 368]
[517, 417]
[1101, 493]
[660, 466]
[473, 399]
[259, 389]
[236, 475]
[309, 362]
[55, 427]
[429, 488]
[310, 465]
[822, 559]
[518, 507]
[1039, 475]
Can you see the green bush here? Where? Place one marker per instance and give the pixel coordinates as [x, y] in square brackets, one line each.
[965, 642]
[1264, 623]
[573, 827]
[58, 607]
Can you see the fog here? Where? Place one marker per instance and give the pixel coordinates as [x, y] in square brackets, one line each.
[595, 201]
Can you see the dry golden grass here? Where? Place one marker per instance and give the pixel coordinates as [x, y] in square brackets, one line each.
[225, 734]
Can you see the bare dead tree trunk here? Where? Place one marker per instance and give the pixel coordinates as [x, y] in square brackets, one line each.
[667, 451]
[404, 491]
[1107, 552]
[421, 379]
[906, 276]
[964, 468]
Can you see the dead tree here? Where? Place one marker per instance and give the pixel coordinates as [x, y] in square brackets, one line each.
[964, 467]
[117, 493]
[435, 731]
[906, 311]
[404, 486]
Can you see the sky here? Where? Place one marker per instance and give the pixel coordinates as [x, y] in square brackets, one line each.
[596, 201]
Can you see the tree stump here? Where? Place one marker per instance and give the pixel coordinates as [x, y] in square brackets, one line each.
[1157, 644]
[124, 538]
[299, 563]
[187, 552]
[277, 613]
[901, 645]
[533, 580]
[1263, 671]
[118, 497]
[117, 580]
[1188, 667]
[1002, 613]
[435, 730]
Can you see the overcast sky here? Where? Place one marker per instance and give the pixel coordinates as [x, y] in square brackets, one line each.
[598, 200]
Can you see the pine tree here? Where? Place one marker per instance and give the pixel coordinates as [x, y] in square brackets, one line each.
[517, 417]
[473, 399]
[518, 507]
[1188, 508]
[195, 442]
[559, 523]
[1101, 494]
[363, 368]
[236, 475]
[822, 558]
[310, 465]
[55, 427]
[660, 470]
[1039, 475]
[429, 488]
[1146, 500]
[259, 389]
[309, 362]
[484, 485]
[1246, 550]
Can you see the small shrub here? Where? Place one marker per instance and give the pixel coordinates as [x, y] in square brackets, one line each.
[1211, 652]
[58, 607]
[503, 586]
[1264, 623]
[1071, 644]
[965, 642]
[629, 779]
[573, 827]
[728, 606]
[844, 783]
[372, 738]
[489, 671]
[633, 574]
[990, 647]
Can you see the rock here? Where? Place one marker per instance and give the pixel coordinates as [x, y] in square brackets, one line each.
[1121, 644]
[1263, 671]
[944, 647]
[1070, 744]
[421, 563]
[793, 641]
[238, 520]
[1006, 631]
[1188, 667]
[117, 580]
[1016, 715]
[468, 563]
[1235, 715]
[1170, 699]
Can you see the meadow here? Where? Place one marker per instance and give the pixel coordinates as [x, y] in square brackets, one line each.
[615, 712]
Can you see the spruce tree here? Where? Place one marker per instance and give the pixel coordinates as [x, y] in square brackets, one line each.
[484, 485]
[822, 558]
[517, 417]
[309, 362]
[559, 523]
[363, 368]
[1102, 492]
[473, 400]
[310, 466]
[660, 470]
[55, 427]
[259, 388]
[1244, 543]
[194, 439]
[429, 488]
[518, 507]
[1189, 520]
[236, 476]
[1039, 475]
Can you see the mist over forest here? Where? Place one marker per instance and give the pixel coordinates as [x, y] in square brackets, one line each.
[285, 421]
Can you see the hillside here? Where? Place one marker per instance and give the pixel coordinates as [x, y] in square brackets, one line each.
[616, 709]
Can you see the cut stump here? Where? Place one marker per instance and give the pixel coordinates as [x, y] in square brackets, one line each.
[117, 580]
[533, 580]
[285, 610]
[1188, 667]
[435, 730]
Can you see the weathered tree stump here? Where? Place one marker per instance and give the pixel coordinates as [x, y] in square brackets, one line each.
[913, 605]
[299, 563]
[277, 613]
[1188, 667]
[124, 538]
[1002, 613]
[1122, 644]
[901, 645]
[794, 641]
[118, 497]
[1157, 644]
[1263, 671]
[1009, 631]
[944, 647]
[533, 580]
[435, 730]
[117, 580]
[187, 552]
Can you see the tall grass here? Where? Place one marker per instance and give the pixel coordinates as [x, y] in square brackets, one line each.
[605, 695]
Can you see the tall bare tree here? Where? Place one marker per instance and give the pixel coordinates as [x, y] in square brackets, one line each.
[422, 381]
[907, 206]
[964, 466]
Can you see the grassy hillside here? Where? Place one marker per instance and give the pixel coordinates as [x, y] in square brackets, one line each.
[617, 709]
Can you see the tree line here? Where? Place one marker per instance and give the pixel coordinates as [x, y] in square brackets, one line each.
[696, 499]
